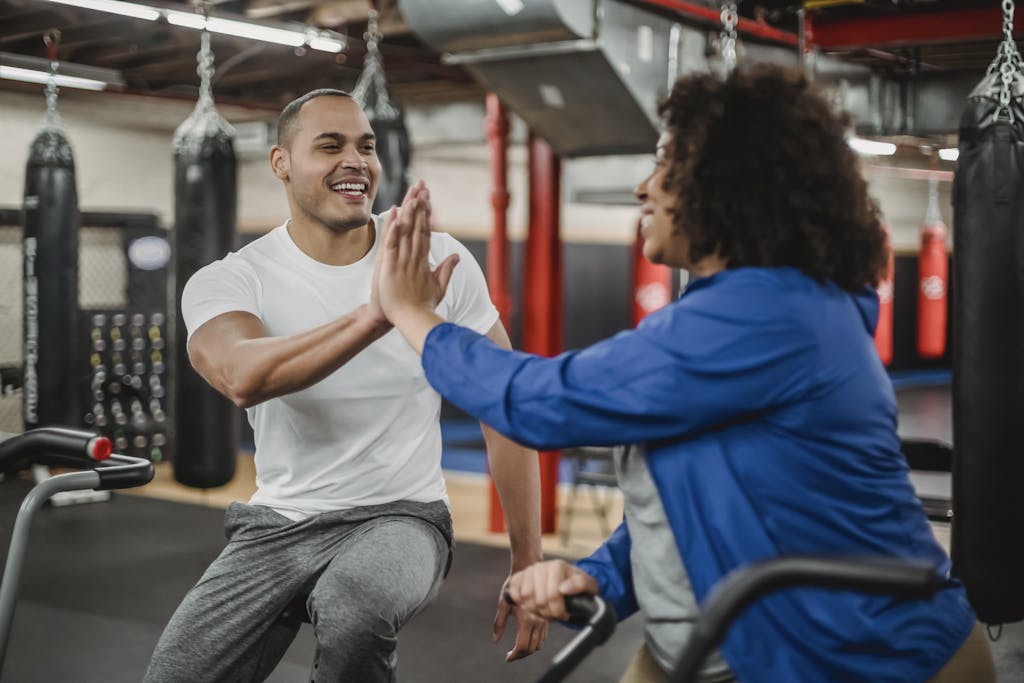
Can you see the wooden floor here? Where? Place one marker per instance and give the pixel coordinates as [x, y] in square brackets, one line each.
[469, 495]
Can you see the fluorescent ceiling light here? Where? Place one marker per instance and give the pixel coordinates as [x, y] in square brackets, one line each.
[189, 19]
[511, 7]
[255, 31]
[127, 9]
[326, 41]
[873, 147]
[16, 73]
[949, 153]
[37, 70]
[242, 29]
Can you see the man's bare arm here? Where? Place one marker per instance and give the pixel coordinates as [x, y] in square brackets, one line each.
[516, 474]
[236, 356]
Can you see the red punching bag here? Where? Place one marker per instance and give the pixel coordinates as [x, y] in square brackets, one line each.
[933, 276]
[652, 283]
[883, 331]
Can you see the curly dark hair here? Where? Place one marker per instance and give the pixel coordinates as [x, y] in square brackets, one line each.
[764, 177]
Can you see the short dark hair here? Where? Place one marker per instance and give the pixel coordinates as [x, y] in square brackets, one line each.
[286, 121]
[764, 177]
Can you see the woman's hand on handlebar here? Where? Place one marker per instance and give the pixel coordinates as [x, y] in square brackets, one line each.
[541, 587]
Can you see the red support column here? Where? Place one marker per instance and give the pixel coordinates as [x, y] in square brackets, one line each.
[497, 248]
[652, 282]
[542, 291]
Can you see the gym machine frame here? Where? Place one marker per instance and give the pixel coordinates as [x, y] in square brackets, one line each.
[57, 447]
[903, 579]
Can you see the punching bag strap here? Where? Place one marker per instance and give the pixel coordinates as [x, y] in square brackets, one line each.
[373, 76]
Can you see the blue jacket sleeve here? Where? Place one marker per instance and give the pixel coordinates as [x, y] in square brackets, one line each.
[610, 566]
[684, 370]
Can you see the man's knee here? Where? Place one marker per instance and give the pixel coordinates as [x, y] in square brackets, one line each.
[354, 644]
[371, 577]
[360, 617]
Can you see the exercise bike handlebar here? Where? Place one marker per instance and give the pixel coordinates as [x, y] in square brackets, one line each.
[62, 447]
[902, 579]
[65, 447]
[123, 472]
[597, 619]
[56, 446]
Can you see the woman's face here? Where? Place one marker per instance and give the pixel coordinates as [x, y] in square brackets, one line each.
[662, 242]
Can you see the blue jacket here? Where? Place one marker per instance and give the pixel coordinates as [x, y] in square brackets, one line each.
[779, 437]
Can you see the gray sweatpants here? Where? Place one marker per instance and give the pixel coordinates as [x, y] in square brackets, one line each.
[367, 572]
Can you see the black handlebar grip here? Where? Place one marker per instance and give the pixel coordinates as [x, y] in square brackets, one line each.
[138, 473]
[581, 608]
[589, 610]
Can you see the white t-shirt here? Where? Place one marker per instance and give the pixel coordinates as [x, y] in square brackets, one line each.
[367, 434]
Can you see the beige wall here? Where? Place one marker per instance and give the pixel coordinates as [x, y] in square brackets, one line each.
[122, 146]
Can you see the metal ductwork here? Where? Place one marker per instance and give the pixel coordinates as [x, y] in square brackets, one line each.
[585, 75]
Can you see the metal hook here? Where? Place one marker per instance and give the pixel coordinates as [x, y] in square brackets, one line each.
[52, 40]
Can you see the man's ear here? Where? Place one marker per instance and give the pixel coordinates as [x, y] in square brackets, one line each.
[280, 162]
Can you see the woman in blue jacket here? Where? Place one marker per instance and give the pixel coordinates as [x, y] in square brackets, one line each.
[763, 421]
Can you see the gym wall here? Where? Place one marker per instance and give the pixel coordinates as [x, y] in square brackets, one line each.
[122, 147]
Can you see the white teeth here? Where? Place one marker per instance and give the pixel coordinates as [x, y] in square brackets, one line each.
[355, 187]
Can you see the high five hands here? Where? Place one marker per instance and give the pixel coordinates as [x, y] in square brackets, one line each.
[406, 289]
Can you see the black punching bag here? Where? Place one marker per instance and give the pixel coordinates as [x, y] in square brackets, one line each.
[393, 152]
[988, 352]
[205, 186]
[50, 271]
[388, 122]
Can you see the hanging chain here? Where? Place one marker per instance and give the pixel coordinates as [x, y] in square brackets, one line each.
[1008, 63]
[373, 38]
[205, 69]
[373, 72]
[51, 39]
[51, 90]
[729, 17]
[204, 58]
[373, 34]
[204, 122]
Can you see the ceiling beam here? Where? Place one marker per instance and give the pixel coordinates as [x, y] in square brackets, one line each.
[35, 24]
[912, 28]
[750, 28]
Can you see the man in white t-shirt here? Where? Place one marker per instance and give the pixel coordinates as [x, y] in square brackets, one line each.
[350, 506]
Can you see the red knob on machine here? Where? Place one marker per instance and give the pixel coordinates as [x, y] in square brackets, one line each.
[883, 331]
[933, 278]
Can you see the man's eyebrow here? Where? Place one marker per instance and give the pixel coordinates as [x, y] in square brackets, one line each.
[338, 137]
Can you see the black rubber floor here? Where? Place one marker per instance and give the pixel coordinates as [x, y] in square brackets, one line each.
[101, 580]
